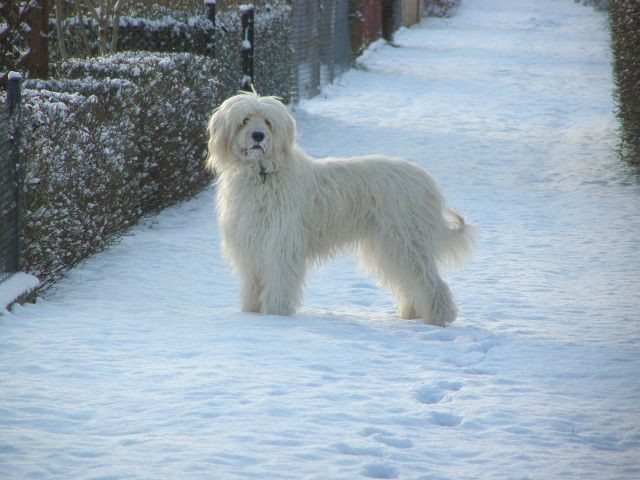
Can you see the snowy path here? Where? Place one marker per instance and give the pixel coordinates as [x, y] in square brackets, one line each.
[140, 366]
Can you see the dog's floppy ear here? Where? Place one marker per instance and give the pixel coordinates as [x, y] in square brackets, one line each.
[222, 129]
[218, 140]
[284, 126]
[290, 133]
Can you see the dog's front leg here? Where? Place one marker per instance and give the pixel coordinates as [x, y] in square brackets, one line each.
[282, 284]
[250, 287]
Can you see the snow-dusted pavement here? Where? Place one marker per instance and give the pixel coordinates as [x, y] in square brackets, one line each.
[140, 365]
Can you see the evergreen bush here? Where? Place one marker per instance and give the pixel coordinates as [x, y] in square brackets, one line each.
[625, 31]
[112, 138]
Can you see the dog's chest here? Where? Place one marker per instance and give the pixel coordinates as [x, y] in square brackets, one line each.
[250, 209]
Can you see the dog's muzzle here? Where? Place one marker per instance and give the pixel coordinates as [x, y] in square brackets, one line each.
[259, 140]
[257, 136]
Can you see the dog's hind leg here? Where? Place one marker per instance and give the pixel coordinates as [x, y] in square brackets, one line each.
[425, 296]
[387, 265]
[413, 278]
[433, 300]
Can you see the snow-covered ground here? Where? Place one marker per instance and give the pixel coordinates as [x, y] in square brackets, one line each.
[140, 366]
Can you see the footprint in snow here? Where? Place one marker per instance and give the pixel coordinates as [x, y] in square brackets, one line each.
[367, 432]
[392, 441]
[452, 386]
[470, 359]
[346, 449]
[380, 470]
[444, 419]
[429, 395]
[441, 335]
[432, 394]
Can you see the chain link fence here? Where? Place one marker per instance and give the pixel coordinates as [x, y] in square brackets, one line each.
[9, 183]
[321, 44]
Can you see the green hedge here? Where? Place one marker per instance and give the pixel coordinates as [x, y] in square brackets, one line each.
[129, 141]
[625, 31]
[110, 139]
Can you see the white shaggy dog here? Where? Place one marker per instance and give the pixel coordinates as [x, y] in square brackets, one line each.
[280, 211]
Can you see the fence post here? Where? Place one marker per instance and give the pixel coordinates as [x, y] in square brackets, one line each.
[15, 285]
[210, 7]
[247, 47]
[11, 260]
[38, 61]
[14, 93]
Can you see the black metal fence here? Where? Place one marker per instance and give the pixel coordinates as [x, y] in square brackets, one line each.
[10, 184]
[321, 44]
[248, 39]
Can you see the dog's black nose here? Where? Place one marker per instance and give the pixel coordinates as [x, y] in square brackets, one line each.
[257, 136]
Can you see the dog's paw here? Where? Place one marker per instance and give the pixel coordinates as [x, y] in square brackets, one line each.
[442, 315]
[407, 312]
[282, 310]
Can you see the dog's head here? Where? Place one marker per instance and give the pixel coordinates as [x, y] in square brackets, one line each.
[250, 130]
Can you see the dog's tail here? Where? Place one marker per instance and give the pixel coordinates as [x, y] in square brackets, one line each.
[458, 240]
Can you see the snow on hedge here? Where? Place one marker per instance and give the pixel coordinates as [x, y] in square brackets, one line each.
[110, 139]
[14, 287]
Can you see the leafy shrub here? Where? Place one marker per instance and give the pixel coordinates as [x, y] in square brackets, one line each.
[176, 33]
[110, 139]
[625, 28]
[128, 141]
[175, 94]
[79, 185]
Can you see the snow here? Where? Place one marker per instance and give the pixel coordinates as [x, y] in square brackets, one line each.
[14, 76]
[15, 286]
[140, 366]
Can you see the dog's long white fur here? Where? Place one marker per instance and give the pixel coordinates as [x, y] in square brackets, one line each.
[281, 211]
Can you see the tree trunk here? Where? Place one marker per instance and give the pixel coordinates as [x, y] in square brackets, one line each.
[60, 31]
[116, 25]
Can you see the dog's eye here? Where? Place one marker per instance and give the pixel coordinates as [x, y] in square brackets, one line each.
[267, 122]
[245, 121]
